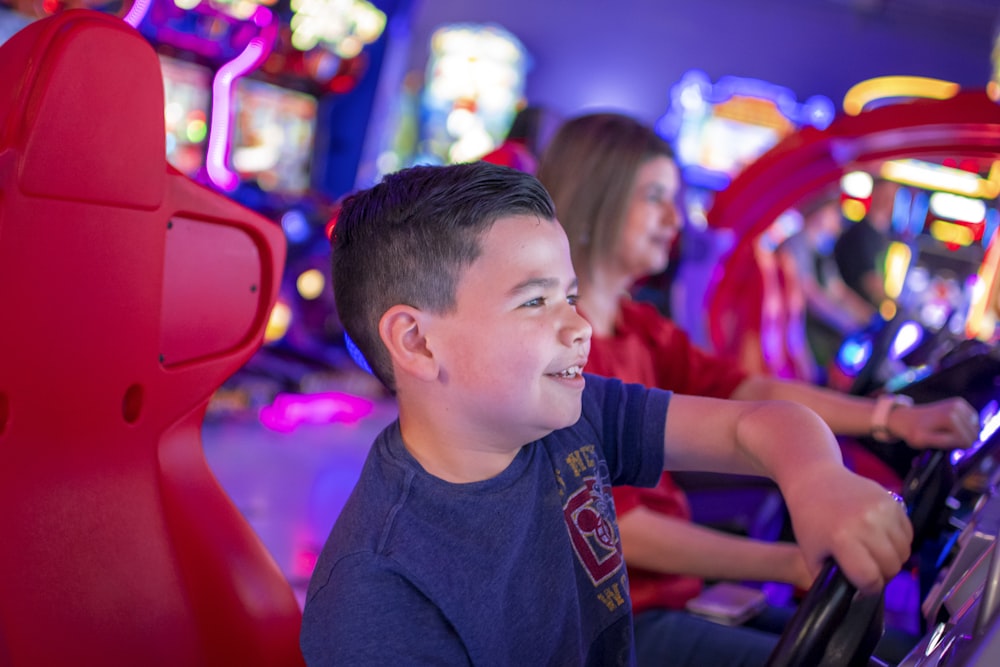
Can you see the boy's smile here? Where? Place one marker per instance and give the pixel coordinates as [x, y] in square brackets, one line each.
[511, 353]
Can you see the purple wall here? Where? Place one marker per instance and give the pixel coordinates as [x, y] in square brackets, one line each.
[626, 54]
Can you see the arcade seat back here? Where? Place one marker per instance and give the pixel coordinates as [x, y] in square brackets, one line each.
[128, 295]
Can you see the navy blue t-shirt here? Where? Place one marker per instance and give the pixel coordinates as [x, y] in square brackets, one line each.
[525, 568]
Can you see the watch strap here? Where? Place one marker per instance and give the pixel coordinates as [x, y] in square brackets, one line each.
[884, 405]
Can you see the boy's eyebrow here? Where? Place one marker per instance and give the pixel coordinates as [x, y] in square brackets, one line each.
[539, 283]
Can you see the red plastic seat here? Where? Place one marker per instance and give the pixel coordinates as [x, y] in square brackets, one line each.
[128, 294]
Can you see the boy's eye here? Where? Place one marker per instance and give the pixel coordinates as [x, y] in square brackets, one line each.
[572, 299]
[535, 303]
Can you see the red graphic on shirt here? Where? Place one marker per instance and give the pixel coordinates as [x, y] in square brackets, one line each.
[589, 517]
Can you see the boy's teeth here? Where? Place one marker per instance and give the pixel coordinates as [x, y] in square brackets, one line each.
[570, 372]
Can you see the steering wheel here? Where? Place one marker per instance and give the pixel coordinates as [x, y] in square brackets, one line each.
[925, 491]
[832, 627]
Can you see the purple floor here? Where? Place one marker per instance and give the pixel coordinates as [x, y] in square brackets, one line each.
[291, 486]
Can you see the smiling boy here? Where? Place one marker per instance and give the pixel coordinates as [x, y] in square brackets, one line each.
[482, 529]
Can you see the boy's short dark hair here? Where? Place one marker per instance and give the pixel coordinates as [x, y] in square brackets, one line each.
[407, 240]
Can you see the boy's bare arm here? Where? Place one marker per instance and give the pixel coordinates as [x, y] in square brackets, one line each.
[833, 511]
[660, 543]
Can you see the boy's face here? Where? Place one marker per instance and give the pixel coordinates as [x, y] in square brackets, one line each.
[513, 349]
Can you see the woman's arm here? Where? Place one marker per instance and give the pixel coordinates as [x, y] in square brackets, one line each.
[947, 424]
[660, 543]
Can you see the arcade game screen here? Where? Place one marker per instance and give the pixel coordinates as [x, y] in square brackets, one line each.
[937, 274]
[719, 128]
[950, 233]
[187, 95]
[273, 138]
[730, 135]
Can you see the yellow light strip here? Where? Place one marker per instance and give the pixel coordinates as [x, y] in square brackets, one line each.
[950, 232]
[936, 177]
[989, 188]
[897, 261]
[977, 324]
[884, 87]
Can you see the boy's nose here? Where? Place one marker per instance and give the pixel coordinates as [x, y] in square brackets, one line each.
[577, 328]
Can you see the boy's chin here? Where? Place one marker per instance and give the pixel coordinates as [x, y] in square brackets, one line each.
[572, 417]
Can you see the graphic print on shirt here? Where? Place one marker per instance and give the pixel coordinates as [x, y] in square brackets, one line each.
[589, 514]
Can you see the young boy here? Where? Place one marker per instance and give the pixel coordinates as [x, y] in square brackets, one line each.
[482, 529]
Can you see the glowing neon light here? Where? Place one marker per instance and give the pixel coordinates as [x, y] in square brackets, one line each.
[907, 339]
[900, 205]
[937, 177]
[278, 322]
[887, 309]
[977, 324]
[217, 154]
[951, 233]
[990, 420]
[853, 209]
[344, 26]
[137, 12]
[716, 129]
[888, 87]
[857, 184]
[289, 411]
[897, 261]
[853, 355]
[295, 225]
[310, 284]
[956, 207]
[918, 213]
[355, 353]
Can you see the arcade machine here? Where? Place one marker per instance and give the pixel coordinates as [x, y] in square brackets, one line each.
[266, 78]
[717, 129]
[466, 100]
[187, 88]
[952, 497]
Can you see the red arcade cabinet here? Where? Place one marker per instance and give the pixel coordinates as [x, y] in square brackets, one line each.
[966, 125]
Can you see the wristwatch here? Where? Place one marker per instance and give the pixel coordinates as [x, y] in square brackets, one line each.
[885, 404]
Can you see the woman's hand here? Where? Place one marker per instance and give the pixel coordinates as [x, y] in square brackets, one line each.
[948, 424]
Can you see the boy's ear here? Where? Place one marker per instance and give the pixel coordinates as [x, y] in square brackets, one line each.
[403, 333]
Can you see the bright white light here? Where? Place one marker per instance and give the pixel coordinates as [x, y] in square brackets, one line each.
[856, 184]
[907, 338]
[956, 207]
[691, 98]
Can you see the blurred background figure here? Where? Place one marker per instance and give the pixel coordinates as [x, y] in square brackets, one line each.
[860, 250]
[824, 308]
[529, 133]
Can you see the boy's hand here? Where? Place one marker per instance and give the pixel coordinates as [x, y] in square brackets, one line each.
[836, 512]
